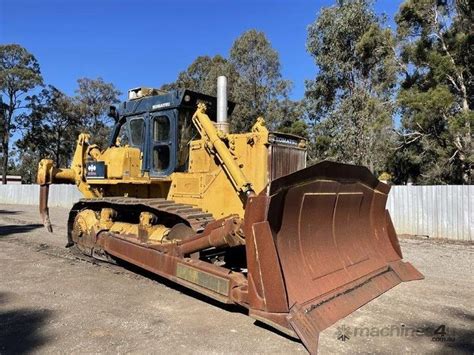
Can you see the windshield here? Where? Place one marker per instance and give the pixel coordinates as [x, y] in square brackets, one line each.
[122, 139]
[131, 133]
[137, 130]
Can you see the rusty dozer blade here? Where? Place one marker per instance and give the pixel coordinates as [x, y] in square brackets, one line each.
[43, 207]
[335, 242]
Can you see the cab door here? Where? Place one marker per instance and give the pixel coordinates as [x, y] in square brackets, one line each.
[163, 142]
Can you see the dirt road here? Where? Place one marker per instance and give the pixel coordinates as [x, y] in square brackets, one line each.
[52, 301]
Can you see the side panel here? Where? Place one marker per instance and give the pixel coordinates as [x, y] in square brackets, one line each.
[208, 186]
[284, 160]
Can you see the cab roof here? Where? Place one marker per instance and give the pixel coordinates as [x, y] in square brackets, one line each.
[172, 99]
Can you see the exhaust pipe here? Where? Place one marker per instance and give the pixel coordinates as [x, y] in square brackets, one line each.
[222, 123]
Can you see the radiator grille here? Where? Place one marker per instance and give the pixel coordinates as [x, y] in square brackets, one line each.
[285, 160]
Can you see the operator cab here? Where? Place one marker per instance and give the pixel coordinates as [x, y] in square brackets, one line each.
[160, 124]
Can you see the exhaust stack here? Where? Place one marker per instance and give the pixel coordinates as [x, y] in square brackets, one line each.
[222, 123]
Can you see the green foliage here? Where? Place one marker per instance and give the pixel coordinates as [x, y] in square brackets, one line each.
[297, 127]
[366, 77]
[350, 100]
[425, 133]
[54, 121]
[254, 82]
[201, 76]
[25, 164]
[259, 85]
[51, 126]
[94, 97]
[436, 95]
[3, 114]
[287, 118]
[19, 73]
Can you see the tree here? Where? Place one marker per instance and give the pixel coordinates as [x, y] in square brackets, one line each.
[49, 129]
[436, 96]
[94, 97]
[288, 117]
[351, 99]
[254, 83]
[3, 112]
[259, 84]
[26, 165]
[19, 73]
[201, 76]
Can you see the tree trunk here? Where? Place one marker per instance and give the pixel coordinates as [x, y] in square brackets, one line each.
[5, 157]
[5, 139]
[467, 137]
[58, 146]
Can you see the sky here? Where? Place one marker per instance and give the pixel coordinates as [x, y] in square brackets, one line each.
[147, 43]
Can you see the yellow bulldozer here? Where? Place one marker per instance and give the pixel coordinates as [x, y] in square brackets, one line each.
[236, 217]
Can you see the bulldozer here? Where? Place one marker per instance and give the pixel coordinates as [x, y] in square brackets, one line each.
[237, 217]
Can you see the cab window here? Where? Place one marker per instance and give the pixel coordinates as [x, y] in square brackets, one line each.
[161, 157]
[122, 137]
[161, 128]
[137, 130]
[161, 149]
[186, 133]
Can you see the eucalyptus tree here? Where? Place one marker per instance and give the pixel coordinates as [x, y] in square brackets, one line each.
[260, 89]
[19, 74]
[351, 99]
[49, 129]
[437, 93]
[94, 97]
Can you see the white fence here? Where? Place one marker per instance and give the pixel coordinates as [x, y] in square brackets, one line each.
[59, 195]
[434, 211]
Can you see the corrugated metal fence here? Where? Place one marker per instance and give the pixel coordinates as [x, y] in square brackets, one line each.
[59, 195]
[435, 211]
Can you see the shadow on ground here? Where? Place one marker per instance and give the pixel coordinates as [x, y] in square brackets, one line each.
[463, 337]
[18, 228]
[139, 272]
[168, 283]
[233, 308]
[8, 212]
[451, 340]
[20, 329]
[276, 331]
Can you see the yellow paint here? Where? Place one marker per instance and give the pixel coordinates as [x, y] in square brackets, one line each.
[48, 174]
[145, 231]
[107, 216]
[222, 169]
[86, 221]
[122, 163]
[215, 192]
[214, 141]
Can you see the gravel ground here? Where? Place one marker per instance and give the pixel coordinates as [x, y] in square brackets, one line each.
[52, 301]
